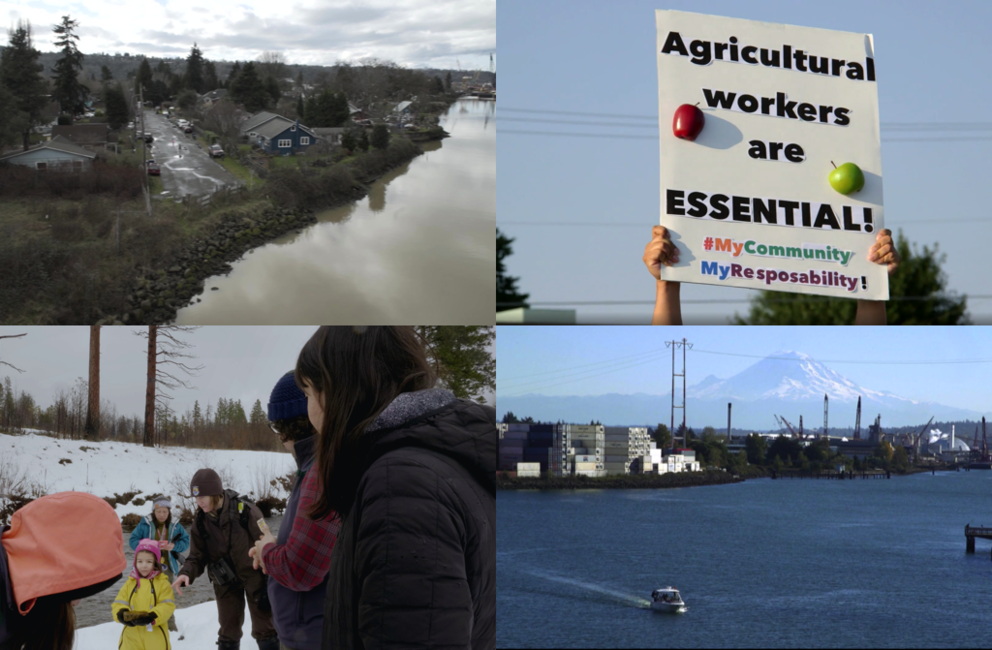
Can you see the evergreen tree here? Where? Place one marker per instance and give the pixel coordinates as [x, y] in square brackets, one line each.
[105, 74]
[209, 76]
[919, 276]
[258, 414]
[447, 81]
[363, 140]
[510, 418]
[249, 89]
[348, 141]
[380, 136]
[197, 416]
[310, 111]
[70, 94]
[299, 80]
[12, 120]
[186, 99]
[339, 111]
[20, 74]
[143, 78]
[233, 74]
[662, 437]
[438, 86]
[238, 413]
[506, 286]
[118, 112]
[463, 356]
[272, 88]
[301, 110]
[194, 70]
[755, 447]
[222, 417]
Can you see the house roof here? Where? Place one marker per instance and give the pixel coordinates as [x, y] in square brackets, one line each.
[58, 143]
[83, 133]
[402, 106]
[274, 127]
[215, 94]
[258, 120]
[329, 130]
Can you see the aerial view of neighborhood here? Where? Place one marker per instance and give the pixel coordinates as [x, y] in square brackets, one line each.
[197, 181]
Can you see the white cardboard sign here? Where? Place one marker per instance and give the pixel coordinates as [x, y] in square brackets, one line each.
[749, 202]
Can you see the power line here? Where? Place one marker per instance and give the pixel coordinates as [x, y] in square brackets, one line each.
[654, 137]
[557, 382]
[716, 301]
[859, 361]
[502, 380]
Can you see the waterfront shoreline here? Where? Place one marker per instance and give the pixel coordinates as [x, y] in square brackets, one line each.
[621, 482]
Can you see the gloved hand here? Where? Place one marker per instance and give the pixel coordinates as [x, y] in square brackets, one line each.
[124, 616]
[147, 619]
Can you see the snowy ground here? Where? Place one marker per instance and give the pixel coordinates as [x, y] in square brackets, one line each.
[108, 468]
[197, 624]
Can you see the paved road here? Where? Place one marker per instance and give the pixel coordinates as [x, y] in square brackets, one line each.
[186, 168]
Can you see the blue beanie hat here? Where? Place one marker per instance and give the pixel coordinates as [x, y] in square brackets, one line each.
[287, 400]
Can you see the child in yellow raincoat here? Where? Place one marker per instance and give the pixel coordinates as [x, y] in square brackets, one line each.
[145, 602]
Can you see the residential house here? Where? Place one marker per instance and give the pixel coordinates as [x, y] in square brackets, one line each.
[356, 113]
[403, 108]
[89, 136]
[278, 137]
[58, 154]
[212, 97]
[331, 135]
[250, 126]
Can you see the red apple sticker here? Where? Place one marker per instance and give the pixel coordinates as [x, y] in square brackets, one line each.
[688, 122]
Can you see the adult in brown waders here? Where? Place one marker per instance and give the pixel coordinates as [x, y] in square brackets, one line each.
[224, 529]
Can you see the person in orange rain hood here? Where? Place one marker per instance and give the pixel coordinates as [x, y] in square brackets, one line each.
[145, 602]
[45, 571]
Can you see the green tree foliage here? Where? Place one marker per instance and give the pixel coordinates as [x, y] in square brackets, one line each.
[380, 136]
[506, 286]
[70, 94]
[327, 109]
[363, 140]
[257, 413]
[447, 81]
[118, 112]
[249, 89]
[143, 79]
[186, 99]
[233, 74]
[662, 437]
[900, 460]
[882, 454]
[12, 120]
[193, 79]
[348, 141]
[105, 74]
[64, 120]
[310, 111]
[20, 74]
[209, 76]
[157, 92]
[709, 434]
[510, 418]
[438, 86]
[756, 448]
[788, 449]
[301, 110]
[919, 276]
[464, 358]
[272, 88]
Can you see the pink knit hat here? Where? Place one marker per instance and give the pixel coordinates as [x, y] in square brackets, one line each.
[152, 547]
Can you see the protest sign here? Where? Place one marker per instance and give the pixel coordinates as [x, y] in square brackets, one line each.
[781, 189]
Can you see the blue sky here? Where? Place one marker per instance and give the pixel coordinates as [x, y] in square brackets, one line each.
[590, 56]
[631, 359]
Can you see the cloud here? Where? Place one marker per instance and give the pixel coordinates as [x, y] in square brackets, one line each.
[412, 33]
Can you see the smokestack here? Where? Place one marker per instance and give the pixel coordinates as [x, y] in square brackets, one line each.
[952, 438]
[728, 422]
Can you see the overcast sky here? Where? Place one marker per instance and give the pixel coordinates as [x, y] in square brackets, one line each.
[240, 363]
[412, 33]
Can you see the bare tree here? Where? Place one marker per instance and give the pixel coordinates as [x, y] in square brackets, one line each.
[271, 64]
[165, 361]
[223, 118]
[12, 336]
[93, 409]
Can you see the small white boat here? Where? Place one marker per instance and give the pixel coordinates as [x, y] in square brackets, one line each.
[667, 600]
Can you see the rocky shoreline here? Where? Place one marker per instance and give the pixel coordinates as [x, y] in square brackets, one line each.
[158, 294]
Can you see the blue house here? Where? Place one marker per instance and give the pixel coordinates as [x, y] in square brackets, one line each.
[282, 137]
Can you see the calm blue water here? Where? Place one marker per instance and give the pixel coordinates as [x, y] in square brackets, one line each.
[876, 563]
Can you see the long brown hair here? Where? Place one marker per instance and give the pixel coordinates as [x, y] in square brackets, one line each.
[50, 625]
[358, 371]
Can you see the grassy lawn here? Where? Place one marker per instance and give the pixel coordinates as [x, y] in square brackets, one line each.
[240, 172]
[287, 161]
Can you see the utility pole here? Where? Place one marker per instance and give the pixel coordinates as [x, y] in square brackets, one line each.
[729, 404]
[825, 405]
[676, 344]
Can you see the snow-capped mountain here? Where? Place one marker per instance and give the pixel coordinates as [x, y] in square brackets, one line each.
[789, 384]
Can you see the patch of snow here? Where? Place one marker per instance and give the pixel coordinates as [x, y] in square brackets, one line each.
[197, 625]
[147, 470]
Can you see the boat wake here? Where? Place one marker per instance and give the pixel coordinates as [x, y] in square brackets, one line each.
[603, 593]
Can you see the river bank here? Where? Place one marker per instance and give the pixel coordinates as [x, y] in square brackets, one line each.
[158, 292]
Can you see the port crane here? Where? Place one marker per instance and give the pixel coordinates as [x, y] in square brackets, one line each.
[787, 425]
[916, 440]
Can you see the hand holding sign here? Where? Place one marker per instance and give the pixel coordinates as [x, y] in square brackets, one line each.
[883, 251]
[660, 250]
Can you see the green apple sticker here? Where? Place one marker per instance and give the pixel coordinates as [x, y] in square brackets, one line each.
[847, 179]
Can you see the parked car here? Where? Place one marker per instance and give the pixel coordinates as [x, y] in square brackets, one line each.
[188, 129]
[154, 169]
[149, 138]
[216, 151]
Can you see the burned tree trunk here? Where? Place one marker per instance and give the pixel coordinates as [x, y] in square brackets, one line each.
[92, 429]
[149, 440]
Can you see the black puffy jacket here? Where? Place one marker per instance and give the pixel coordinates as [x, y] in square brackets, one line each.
[414, 565]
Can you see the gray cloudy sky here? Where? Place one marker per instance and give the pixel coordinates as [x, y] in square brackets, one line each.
[413, 33]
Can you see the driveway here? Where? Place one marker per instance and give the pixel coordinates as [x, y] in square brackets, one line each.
[186, 168]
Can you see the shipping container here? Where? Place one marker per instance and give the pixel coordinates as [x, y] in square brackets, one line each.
[616, 445]
[515, 435]
[616, 459]
[592, 473]
[528, 467]
[590, 465]
[540, 435]
[510, 442]
[589, 459]
[517, 426]
[540, 444]
[535, 455]
[543, 428]
[529, 474]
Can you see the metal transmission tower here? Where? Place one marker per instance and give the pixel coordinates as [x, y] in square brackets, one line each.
[678, 344]
[826, 403]
[728, 422]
